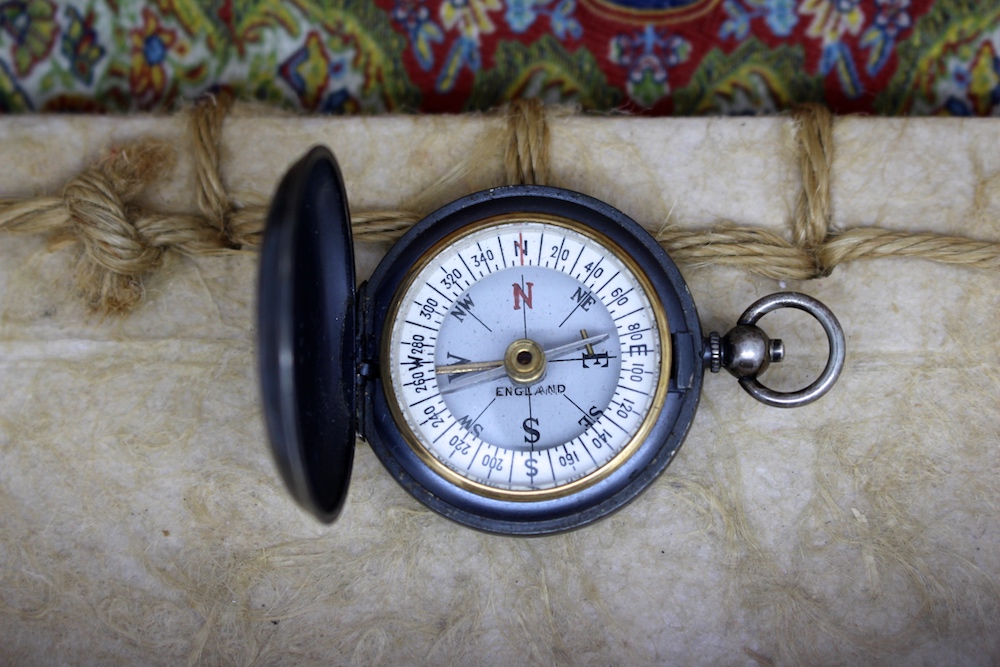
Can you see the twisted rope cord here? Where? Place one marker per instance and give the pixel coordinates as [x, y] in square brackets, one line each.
[122, 242]
[875, 242]
[206, 127]
[814, 137]
[526, 160]
[758, 250]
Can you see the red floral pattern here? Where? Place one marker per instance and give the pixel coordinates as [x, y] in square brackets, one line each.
[655, 57]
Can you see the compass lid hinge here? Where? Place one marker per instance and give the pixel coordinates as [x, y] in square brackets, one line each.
[686, 360]
[365, 369]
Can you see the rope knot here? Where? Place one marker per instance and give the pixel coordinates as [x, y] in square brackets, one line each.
[103, 216]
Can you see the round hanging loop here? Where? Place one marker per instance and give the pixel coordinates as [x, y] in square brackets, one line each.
[746, 340]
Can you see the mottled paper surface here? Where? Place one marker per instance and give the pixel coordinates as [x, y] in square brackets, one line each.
[142, 520]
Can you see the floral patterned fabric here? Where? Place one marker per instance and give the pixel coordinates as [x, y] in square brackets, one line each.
[658, 57]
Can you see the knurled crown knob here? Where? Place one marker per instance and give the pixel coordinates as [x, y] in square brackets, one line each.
[713, 345]
[745, 351]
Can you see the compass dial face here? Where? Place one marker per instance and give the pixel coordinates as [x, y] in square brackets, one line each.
[526, 359]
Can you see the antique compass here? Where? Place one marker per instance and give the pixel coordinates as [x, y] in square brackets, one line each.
[525, 360]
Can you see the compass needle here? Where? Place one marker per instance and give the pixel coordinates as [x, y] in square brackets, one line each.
[472, 367]
[496, 369]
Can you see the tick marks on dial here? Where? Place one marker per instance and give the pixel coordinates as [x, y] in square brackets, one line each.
[627, 314]
[637, 331]
[473, 459]
[573, 268]
[594, 270]
[441, 435]
[586, 449]
[422, 326]
[620, 427]
[471, 273]
[451, 282]
[619, 298]
[559, 255]
[435, 418]
[481, 259]
[423, 400]
[443, 295]
[617, 273]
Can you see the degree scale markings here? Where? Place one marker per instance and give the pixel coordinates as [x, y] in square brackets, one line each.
[569, 452]
[468, 283]
[443, 295]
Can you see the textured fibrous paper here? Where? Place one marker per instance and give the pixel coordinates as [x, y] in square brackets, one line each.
[142, 520]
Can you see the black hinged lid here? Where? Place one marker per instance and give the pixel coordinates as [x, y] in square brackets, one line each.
[307, 333]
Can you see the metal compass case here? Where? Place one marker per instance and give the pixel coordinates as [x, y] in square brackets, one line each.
[525, 360]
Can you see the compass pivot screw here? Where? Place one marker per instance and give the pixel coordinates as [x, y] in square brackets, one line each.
[525, 362]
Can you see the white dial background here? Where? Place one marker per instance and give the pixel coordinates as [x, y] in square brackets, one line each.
[554, 410]
[547, 283]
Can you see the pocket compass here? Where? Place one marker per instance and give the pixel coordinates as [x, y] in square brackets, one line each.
[525, 360]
